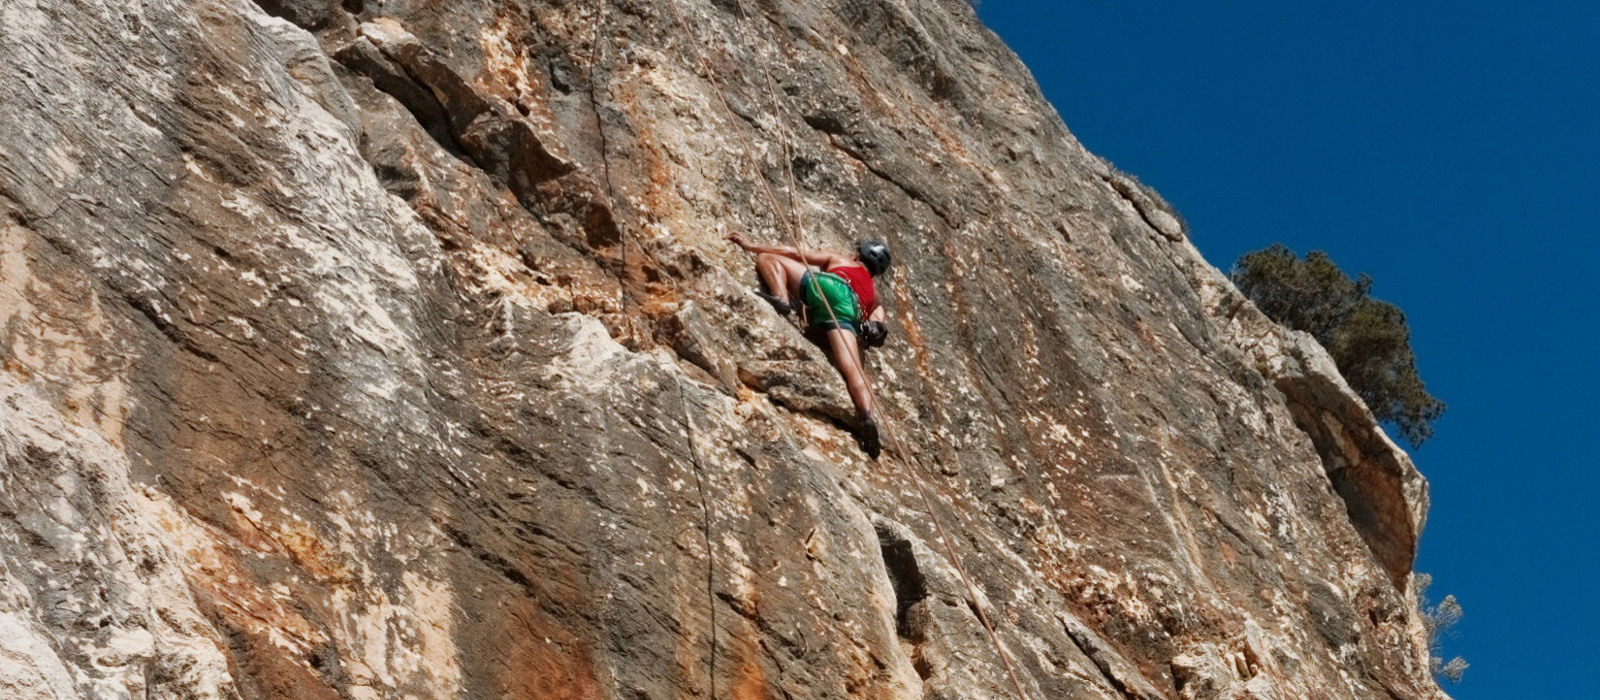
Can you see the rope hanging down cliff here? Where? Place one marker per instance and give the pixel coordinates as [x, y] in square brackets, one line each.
[706, 520]
[799, 243]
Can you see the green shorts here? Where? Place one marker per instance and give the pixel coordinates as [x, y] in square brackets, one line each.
[825, 291]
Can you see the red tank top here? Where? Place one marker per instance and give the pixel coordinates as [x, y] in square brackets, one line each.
[861, 281]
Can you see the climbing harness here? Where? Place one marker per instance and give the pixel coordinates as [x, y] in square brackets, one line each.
[794, 228]
[833, 296]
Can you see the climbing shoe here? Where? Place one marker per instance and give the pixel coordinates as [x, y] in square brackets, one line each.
[867, 435]
[782, 307]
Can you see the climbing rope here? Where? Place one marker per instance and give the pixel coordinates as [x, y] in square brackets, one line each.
[596, 55]
[793, 227]
[705, 529]
[683, 404]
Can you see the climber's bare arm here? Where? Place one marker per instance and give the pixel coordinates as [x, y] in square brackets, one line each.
[822, 259]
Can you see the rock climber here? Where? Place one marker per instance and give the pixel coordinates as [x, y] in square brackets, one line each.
[837, 299]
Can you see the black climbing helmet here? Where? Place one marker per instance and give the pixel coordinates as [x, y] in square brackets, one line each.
[874, 256]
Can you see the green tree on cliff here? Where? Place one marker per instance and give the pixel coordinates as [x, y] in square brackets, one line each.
[1368, 338]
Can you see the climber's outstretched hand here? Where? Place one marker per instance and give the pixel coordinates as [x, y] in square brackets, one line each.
[738, 240]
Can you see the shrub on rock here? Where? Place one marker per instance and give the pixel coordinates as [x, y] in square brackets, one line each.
[1368, 338]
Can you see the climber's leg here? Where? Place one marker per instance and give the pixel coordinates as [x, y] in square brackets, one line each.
[846, 355]
[781, 276]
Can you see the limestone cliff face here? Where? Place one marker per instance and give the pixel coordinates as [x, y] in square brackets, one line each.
[391, 349]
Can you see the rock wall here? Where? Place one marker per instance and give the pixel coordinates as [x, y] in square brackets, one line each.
[391, 349]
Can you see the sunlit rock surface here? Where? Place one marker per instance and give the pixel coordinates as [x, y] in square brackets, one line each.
[392, 349]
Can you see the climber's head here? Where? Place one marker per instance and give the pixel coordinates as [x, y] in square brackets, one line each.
[874, 256]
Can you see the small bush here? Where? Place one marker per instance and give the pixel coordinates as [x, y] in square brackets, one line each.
[1368, 338]
[1439, 620]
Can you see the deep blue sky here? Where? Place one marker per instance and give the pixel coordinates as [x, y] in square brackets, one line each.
[1450, 150]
